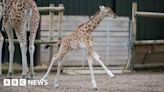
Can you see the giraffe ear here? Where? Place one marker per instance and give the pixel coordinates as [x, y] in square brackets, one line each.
[102, 8]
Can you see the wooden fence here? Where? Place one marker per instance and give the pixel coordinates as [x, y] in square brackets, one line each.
[145, 53]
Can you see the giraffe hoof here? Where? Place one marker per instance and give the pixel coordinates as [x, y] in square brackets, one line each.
[32, 76]
[43, 78]
[95, 88]
[82, 68]
[23, 76]
[112, 77]
[9, 75]
[56, 84]
[1, 78]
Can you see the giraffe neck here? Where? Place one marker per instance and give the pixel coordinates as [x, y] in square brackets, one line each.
[95, 21]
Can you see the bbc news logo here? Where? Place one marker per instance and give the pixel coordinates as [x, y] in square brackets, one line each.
[24, 82]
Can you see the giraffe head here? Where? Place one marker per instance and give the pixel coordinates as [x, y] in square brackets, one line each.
[107, 11]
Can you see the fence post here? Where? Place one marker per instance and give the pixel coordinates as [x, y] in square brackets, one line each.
[51, 15]
[60, 16]
[134, 27]
[134, 30]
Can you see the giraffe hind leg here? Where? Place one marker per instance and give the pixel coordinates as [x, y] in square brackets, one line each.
[31, 51]
[57, 58]
[21, 35]
[60, 56]
[83, 58]
[56, 82]
[54, 59]
[25, 71]
[1, 45]
[90, 63]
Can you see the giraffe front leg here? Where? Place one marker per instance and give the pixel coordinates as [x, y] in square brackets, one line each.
[97, 58]
[90, 62]
[1, 45]
[11, 47]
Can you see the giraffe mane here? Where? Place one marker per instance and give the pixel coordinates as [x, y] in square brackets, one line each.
[89, 19]
[93, 16]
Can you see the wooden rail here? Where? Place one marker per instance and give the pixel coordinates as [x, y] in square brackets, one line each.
[148, 42]
[150, 14]
[37, 41]
[144, 66]
[135, 13]
[52, 9]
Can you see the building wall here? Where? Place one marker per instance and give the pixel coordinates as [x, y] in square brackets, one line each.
[77, 7]
[147, 28]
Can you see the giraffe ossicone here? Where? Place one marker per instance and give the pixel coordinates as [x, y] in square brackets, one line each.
[102, 7]
[82, 38]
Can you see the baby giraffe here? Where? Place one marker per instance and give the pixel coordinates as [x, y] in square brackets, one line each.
[82, 38]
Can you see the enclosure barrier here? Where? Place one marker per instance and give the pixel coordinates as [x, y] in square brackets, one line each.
[130, 64]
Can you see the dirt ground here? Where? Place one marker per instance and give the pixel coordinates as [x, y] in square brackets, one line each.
[134, 82]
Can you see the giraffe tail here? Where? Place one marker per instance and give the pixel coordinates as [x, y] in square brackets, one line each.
[56, 43]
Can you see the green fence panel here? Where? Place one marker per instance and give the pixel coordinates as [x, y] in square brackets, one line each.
[147, 28]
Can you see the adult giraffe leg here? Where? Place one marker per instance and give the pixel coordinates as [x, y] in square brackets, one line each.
[1, 45]
[97, 58]
[90, 62]
[21, 35]
[31, 51]
[1, 40]
[11, 47]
